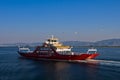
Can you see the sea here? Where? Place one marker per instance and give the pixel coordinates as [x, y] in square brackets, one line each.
[104, 67]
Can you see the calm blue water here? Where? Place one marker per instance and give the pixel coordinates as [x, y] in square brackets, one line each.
[13, 67]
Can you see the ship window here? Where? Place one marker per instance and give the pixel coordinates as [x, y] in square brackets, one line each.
[54, 41]
[92, 52]
[65, 52]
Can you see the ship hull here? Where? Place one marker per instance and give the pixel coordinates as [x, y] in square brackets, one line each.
[82, 56]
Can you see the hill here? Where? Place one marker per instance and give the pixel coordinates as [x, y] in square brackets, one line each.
[108, 42]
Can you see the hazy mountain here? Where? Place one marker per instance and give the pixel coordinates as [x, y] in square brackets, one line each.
[108, 42]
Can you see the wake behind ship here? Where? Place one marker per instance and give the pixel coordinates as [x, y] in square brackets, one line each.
[52, 49]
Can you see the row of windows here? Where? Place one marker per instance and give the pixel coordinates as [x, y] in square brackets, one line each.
[52, 40]
[65, 52]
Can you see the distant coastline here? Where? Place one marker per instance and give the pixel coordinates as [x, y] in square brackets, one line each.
[29, 45]
[103, 43]
[98, 46]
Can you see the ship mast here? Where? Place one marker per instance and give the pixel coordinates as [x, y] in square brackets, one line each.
[52, 36]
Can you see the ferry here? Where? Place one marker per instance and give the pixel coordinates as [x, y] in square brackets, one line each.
[52, 49]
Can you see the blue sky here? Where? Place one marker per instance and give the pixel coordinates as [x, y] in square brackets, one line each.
[36, 20]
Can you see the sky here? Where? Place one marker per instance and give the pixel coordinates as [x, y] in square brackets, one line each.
[36, 20]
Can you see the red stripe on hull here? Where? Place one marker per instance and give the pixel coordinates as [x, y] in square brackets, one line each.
[92, 56]
[60, 57]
